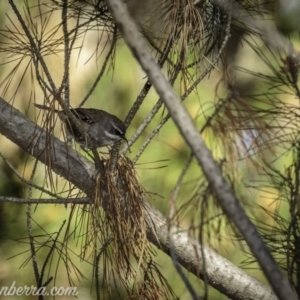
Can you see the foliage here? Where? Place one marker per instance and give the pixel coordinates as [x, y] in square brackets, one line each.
[71, 53]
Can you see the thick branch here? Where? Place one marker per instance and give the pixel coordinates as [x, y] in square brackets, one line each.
[220, 273]
[189, 132]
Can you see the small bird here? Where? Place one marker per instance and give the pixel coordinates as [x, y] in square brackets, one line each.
[103, 128]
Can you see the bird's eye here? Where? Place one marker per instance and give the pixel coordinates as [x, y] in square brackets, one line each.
[117, 132]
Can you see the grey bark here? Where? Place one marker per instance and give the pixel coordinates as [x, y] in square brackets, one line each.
[189, 132]
[220, 273]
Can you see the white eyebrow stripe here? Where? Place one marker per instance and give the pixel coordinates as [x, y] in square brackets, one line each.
[113, 136]
[118, 129]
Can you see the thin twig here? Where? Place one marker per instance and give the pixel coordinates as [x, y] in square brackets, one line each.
[224, 193]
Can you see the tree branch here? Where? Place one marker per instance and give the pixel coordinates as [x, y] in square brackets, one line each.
[189, 132]
[219, 272]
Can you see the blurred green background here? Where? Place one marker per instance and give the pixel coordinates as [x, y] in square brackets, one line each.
[115, 93]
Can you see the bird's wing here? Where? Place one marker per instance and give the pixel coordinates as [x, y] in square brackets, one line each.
[84, 115]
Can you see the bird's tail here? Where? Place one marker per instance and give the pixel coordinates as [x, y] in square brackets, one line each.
[45, 107]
